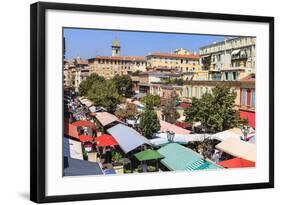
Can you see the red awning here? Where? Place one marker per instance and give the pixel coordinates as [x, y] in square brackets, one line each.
[236, 163]
[183, 124]
[85, 138]
[106, 140]
[70, 130]
[84, 123]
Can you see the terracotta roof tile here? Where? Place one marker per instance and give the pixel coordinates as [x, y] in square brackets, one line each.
[174, 55]
[124, 58]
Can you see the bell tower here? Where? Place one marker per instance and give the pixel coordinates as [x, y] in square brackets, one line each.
[115, 47]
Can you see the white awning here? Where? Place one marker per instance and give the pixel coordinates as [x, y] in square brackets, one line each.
[127, 138]
[235, 52]
[106, 118]
[238, 148]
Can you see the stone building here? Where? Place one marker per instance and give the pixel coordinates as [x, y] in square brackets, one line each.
[231, 59]
[109, 66]
[74, 72]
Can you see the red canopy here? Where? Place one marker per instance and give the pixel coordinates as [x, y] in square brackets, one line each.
[106, 140]
[236, 163]
[70, 130]
[183, 124]
[85, 138]
[84, 123]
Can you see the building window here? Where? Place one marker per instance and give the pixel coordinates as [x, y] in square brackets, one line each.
[234, 76]
[190, 92]
[244, 97]
[226, 76]
[196, 92]
[181, 60]
[219, 57]
[253, 98]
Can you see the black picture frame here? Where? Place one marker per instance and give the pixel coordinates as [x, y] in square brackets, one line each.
[38, 100]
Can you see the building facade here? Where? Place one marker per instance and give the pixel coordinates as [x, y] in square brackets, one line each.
[198, 88]
[109, 66]
[74, 72]
[231, 59]
[180, 61]
[248, 99]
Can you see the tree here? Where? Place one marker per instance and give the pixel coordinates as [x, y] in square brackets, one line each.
[105, 94]
[176, 81]
[149, 123]
[124, 85]
[86, 84]
[136, 73]
[169, 111]
[150, 100]
[215, 110]
[128, 111]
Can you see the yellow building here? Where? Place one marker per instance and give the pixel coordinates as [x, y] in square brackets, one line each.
[181, 62]
[109, 66]
[198, 88]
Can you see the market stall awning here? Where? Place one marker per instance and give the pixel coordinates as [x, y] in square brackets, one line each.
[70, 130]
[224, 135]
[148, 154]
[236, 163]
[76, 167]
[235, 52]
[72, 148]
[166, 126]
[85, 138]
[84, 123]
[180, 158]
[127, 138]
[105, 140]
[238, 148]
[106, 118]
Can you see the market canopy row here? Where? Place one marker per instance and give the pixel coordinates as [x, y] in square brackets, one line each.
[238, 148]
[180, 158]
[106, 118]
[127, 138]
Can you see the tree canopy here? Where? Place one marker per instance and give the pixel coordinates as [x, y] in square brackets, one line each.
[105, 94]
[124, 85]
[169, 111]
[215, 110]
[127, 111]
[151, 100]
[86, 84]
[149, 123]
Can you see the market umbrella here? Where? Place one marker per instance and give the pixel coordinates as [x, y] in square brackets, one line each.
[85, 138]
[148, 154]
[84, 123]
[236, 163]
[106, 140]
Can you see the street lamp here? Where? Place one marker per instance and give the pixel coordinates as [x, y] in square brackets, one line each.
[170, 136]
[245, 130]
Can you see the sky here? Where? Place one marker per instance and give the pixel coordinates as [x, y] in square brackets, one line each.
[88, 43]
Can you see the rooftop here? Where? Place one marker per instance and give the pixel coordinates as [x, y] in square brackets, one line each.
[121, 58]
[174, 55]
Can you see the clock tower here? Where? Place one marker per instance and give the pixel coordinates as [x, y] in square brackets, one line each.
[115, 47]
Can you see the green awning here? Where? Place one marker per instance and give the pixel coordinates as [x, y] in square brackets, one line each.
[148, 155]
[180, 158]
